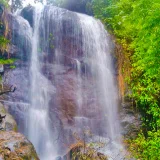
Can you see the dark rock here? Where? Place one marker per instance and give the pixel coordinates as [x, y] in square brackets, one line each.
[27, 13]
[1, 10]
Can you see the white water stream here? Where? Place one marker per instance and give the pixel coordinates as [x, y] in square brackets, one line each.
[38, 119]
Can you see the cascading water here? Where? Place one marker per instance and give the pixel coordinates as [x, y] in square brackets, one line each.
[72, 83]
[97, 49]
[38, 126]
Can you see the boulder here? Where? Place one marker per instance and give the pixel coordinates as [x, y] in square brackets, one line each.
[9, 124]
[15, 146]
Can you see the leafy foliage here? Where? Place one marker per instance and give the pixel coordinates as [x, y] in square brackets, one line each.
[7, 61]
[146, 148]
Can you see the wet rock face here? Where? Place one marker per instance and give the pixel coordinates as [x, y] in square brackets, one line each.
[16, 146]
[67, 86]
[130, 120]
[18, 102]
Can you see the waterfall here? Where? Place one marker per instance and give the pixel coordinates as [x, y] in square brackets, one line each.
[72, 83]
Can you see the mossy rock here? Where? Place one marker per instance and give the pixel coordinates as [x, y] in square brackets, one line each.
[14, 145]
[9, 124]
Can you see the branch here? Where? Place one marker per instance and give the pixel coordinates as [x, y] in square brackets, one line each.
[12, 89]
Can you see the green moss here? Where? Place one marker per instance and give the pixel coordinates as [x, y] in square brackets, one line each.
[12, 67]
[2, 109]
[7, 61]
[3, 43]
[15, 128]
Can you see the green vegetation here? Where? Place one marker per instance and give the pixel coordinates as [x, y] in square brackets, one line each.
[136, 26]
[51, 41]
[3, 43]
[147, 149]
[7, 61]
[4, 2]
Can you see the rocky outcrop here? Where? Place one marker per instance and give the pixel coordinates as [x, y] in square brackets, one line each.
[15, 146]
[9, 124]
